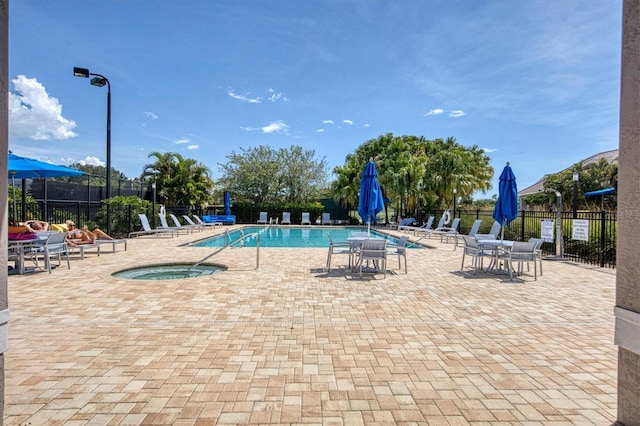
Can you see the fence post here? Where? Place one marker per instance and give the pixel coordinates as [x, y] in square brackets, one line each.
[603, 222]
[522, 213]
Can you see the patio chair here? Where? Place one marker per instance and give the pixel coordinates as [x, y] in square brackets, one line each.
[286, 218]
[406, 223]
[147, 230]
[440, 225]
[495, 229]
[263, 219]
[538, 251]
[475, 227]
[305, 219]
[519, 253]
[326, 218]
[179, 225]
[54, 245]
[191, 223]
[206, 224]
[374, 249]
[340, 247]
[165, 225]
[448, 232]
[399, 249]
[472, 249]
[426, 227]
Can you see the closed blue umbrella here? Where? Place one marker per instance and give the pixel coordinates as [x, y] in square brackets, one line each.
[507, 205]
[371, 201]
[227, 203]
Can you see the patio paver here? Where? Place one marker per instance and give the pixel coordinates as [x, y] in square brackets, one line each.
[291, 343]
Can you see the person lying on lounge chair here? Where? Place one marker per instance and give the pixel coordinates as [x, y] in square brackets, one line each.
[37, 225]
[77, 236]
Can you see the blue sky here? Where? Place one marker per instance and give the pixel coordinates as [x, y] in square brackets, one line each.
[534, 83]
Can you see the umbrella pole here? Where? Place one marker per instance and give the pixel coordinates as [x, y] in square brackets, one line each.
[503, 224]
[15, 205]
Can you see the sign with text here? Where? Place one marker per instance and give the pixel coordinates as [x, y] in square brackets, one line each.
[580, 230]
[547, 231]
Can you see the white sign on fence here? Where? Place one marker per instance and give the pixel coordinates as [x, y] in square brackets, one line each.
[547, 231]
[580, 230]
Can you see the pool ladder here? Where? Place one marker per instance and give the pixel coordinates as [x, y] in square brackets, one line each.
[238, 240]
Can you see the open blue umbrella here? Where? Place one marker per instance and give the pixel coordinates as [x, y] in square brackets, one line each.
[371, 201]
[227, 203]
[507, 205]
[28, 168]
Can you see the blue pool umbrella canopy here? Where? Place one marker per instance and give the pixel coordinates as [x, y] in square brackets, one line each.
[371, 201]
[506, 208]
[28, 168]
[227, 203]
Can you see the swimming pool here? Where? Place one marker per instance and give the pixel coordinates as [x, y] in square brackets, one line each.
[283, 236]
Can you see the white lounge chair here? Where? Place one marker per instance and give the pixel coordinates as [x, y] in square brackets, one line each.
[424, 228]
[179, 225]
[428, 232]
[305, 219]
[448, 232]
[206, 224]
[326, 218]
[475, 227]
[286, 218]
[495, 229]
[263, 219]
[191, 223]
[147, 230]
[165, 225]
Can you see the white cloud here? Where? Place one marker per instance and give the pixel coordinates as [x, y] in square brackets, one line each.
[489, 150]
[320, 130]
[367, 125]
[349, 122]
[34, 114]
[90, 161]
[279, 96]
[249, 129]
[457, 113]
[328, 122]
[437, 111]
[193, 147]
[276, 127]
[150, 115]
[181, 141]
[244, 98]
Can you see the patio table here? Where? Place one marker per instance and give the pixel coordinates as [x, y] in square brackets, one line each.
[495, 244]
[18, 247]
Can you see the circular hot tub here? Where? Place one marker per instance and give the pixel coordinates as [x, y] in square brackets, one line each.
[169, 271]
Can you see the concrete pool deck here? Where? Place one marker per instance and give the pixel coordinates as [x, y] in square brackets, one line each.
[290, 343]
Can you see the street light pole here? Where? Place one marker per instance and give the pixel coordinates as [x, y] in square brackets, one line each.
[100, 81]
[576, 176]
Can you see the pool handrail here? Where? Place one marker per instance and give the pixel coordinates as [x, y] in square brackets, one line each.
[242, 237]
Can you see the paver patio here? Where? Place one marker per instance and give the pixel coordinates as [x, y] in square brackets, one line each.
[290, 343]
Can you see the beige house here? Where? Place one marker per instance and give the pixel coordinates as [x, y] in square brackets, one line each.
[610, 156]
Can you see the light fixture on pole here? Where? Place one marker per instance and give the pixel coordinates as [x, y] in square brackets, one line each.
[576, 177]
[153, 202]
[454, 201]
[101, 81]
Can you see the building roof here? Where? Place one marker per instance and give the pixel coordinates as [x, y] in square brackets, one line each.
[609, 156]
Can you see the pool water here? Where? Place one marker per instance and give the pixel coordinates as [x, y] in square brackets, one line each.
[170, 271]
[283, 236]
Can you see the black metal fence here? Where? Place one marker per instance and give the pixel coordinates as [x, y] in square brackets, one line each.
[599, 249]
[56, 202]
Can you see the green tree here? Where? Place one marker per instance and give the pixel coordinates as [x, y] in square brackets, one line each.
[415, 172]
[179, 181]
[266, 175]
